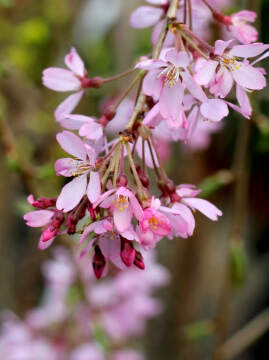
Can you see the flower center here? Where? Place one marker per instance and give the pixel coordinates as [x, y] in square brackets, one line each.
[230, 63]
[80, 167]
[121, 202]
[154, 222]
[171, 74]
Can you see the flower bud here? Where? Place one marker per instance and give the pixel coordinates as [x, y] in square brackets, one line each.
[99, 262]
[139, 261]
[127, 253]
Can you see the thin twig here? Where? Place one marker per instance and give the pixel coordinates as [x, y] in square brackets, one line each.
[246, 336]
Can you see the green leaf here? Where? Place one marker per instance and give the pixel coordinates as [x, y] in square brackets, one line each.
[198, 330]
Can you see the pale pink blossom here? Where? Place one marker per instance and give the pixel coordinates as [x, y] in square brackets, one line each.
[64, 80]
[82, 167]
[146, 16]
[163, 83]
[123, 204]
[240, 28]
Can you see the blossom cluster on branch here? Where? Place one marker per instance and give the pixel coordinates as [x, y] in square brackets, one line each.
[182, 84]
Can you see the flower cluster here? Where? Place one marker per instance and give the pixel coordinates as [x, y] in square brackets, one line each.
[185, 83]
[81, 318]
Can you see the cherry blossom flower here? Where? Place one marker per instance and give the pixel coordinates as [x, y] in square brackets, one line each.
[80, 168]
[64, 80]
[153, 226]
[123, 204]
[240, 28]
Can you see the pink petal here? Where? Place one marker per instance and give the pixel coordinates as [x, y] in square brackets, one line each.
[152, 86]
[74, 63]
[187, 215]
[60, 80]
[103, 197]
[244, 33]
[223, 83]
[158, 2]
[66, 167]
[74, 121]
[220, 46]
[249, 77]
[204, 206]
[152, 118]
[92, 131]
[110, 248]
[249, 50]
[206, 73]
[193, 87]
[214, 109]
[179, 59]
[171, 100]
[94, 187]
[136, 207]
[68, 105]
[145, 16]
[122, 218]
[245, 15]
[72, 144]
[38, 218]
[243, 101]
[72, 193]
[150, 64]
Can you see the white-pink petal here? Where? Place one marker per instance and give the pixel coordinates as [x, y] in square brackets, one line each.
[72, 144]
[92, 131]
[60, 80]
[38, 218]
[193, 87]
[221, 46]
[179, 59]
[249, 77]
[214, 109]
[204, 206]
[94, 187]
[249, 50]
[205, 74]
[145, 16]
[243, 101]
[74, 63]
[72, 193]
[75, 121]
[68, 105]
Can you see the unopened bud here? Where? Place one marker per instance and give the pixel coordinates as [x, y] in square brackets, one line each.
[127, 253]
[139, 261]
[122, 180]
[99, 262]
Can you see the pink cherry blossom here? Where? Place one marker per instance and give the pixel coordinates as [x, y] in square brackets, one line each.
[152, 226]
[123, 204]
[240, 28]
[163, 82]
[63, 80]
[80, 168]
